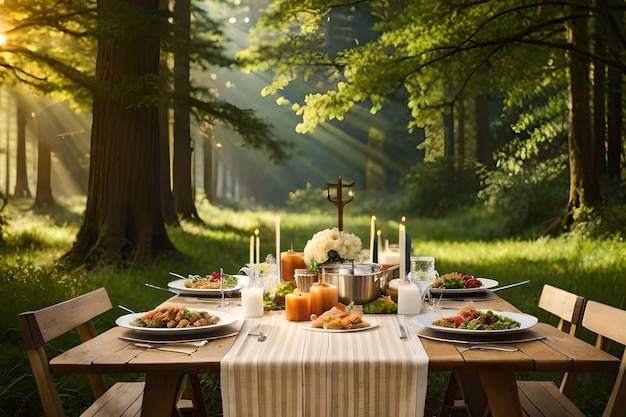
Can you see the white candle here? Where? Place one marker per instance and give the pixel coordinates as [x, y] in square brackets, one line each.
[251, 250]
[277, 236]
[409, 299]
[402, 241]
[257, 243]
[252, 301]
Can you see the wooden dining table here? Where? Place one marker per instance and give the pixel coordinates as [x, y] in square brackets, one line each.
[486, 377]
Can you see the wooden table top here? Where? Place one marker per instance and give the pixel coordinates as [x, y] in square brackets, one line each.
[558, 351]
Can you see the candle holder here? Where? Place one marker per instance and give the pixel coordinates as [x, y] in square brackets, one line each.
[335, 195]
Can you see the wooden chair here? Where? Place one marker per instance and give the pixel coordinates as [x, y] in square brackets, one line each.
[545, 399]
[564, 305]
[568, 308]
[41, 326]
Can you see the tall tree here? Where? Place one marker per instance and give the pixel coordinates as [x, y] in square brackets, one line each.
[50, 48]
[183, 147]
[124, 141]
[22, 190]
[613, 17]
[599, 100]
[584, 187]
[45, 132]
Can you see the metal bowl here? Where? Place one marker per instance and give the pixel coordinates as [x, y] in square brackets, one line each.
[360, 283]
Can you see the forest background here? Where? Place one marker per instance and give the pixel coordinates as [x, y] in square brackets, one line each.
[495, 127]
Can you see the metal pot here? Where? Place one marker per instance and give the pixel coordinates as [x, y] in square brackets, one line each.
[356, 282]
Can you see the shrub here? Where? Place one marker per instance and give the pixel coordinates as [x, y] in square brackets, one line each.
[435, 188]
[309, 200]
[530, 199]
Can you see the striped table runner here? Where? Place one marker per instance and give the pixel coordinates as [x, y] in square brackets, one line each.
[301, 373]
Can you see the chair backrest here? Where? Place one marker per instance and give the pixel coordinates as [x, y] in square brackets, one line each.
[609, 323]
[567, 306]
[41, 326]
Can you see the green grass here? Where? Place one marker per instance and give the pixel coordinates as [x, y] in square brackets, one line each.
[30, 279]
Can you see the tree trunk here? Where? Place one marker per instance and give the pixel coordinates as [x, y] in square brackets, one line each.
[183, 196]
[448, 135]
[461, 133]
[614, 103]
[460, 156]
[374, 170]
[483, 137]
[584, 187]
[43, 193]
[599, 96]
[209, 169]
[614, 123]
[21, 175]
[167, 199]
[123, 221]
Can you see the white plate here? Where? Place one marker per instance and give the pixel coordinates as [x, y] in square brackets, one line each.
[487, 284]
[179, 287]
[223, 319]
[526, 322]
[358, 329]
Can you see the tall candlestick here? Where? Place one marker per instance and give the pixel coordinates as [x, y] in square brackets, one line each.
[251, 250]
[372, 238]
[257, 241]
[338, 199]
[407, 257]
[377, 243]
[402, 244]
[278, 258]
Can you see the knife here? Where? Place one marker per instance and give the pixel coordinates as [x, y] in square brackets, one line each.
[402, 332]
[156, 287]
[516, 284]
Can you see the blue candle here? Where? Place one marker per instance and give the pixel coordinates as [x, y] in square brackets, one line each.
[407, 257]
[375, 249]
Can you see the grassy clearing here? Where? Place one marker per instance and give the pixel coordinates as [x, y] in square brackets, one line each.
[30, 279]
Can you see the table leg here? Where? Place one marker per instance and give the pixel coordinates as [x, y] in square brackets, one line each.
[472, 393]
[500, 389]
[160, 395]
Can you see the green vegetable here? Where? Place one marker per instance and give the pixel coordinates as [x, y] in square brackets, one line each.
[454, 283]
[381, 305]
[278, 302]
[285, 288]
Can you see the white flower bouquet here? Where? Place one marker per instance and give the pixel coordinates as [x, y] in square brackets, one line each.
[331, 246]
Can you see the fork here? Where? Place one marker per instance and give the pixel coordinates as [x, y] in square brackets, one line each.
[493, 347]
[261, 336]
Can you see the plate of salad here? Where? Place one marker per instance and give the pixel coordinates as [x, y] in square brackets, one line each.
[176, 320]
[472, 320]
[205, 285]
[457, 283]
